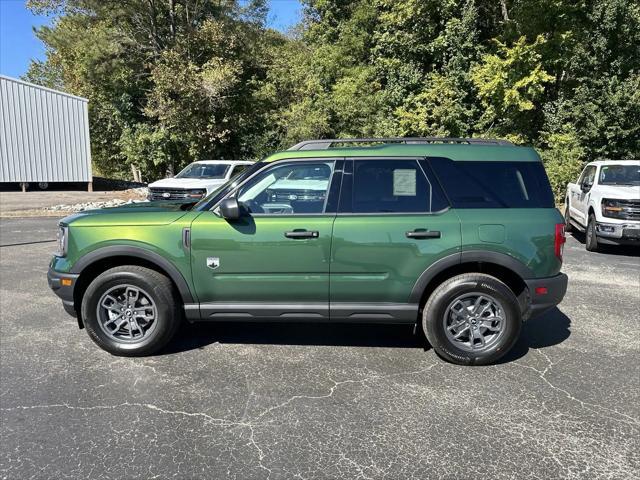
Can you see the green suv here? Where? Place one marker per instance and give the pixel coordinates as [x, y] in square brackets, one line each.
[459, 236]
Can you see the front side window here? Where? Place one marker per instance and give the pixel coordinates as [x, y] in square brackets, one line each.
[204, 170]
[238, 169]
[588, 176]
[294, 188]
[393, 186]
[620, 175]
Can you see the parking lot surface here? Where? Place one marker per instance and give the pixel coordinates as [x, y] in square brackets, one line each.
[319, 401]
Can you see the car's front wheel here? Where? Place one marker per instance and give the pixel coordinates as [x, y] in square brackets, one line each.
[131, 311]
[472, 319]
[591, 239]
[567, 218]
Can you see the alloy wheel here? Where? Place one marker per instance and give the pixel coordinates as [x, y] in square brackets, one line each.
[126, 313]
[474, 322]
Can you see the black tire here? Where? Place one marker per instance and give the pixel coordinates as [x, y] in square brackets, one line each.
[568, 228]
[436, 308]
[591, 239]
[160, 290]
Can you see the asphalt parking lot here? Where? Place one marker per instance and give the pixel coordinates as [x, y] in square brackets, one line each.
[316, 401]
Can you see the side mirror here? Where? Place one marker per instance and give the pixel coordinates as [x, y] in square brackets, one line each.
[585, 187]
[230, 209]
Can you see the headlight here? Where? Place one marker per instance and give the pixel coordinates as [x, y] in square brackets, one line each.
[612, 208]
[196, 193]
[63, 240]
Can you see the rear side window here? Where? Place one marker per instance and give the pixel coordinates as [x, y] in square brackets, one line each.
[392, 186]
[479, 184]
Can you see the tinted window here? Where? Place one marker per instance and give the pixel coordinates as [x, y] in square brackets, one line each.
[238, 169]
[204, 170]
[494, 184]
[295, 188]
[393, 186]
[620, 175]
[589, 175]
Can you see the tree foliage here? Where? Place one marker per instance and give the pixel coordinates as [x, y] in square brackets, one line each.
[170, 81]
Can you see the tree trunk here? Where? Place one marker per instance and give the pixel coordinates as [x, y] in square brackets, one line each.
[505, 12]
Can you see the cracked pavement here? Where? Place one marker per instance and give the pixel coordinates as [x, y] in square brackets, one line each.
[319, 401]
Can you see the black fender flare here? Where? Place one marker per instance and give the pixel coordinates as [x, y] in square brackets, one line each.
[468, 256]
[136, 252]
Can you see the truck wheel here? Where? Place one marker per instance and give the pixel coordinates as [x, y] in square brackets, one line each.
[131, 311]
[591, 239]
[568, 228]
[472, 319]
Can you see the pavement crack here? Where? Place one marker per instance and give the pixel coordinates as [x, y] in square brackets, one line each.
[594, 407]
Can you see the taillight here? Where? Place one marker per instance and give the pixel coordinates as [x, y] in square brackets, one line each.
[560, 239]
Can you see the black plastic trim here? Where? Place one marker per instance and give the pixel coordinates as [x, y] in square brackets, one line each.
[136, 252]
[434, 269]
[313, 312]
[374, 312]
[258, 311]
[468, 256]
[65, 293]
[556, 289]
[54, 280]
[502, 259]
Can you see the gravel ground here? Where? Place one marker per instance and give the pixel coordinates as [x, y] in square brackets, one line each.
[51, 203]
[316, 401]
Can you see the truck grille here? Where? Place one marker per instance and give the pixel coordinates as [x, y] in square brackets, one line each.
[630, 209]
[296, 195]
[176, 193]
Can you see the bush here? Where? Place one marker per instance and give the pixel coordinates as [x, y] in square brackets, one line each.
[563, 158]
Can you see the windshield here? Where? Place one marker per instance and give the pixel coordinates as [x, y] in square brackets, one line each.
[321, 172]
[204, 170]
[208, 201]
[620, 175]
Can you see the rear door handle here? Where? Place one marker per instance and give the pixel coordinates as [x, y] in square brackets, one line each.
[302, 234]
[423, 233]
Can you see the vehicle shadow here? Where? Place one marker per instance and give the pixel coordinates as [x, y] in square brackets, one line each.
[550, 328]
[546, 330]
[620, 250]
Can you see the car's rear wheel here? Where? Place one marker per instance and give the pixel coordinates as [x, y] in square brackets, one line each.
[131, 311]
[472, 319]
[591, 239]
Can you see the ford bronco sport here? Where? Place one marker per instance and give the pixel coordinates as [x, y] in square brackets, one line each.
[457, 236]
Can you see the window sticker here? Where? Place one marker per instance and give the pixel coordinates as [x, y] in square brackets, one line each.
[404, 183]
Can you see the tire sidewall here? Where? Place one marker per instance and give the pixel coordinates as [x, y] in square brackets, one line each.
[567, 218]
[437, 309]
[164, 313]
[591, 241]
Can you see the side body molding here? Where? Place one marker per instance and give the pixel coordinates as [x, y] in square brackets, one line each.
[467, 256]
[137, 252]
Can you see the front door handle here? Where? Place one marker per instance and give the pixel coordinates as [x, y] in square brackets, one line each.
[423, 233]
[302, 234]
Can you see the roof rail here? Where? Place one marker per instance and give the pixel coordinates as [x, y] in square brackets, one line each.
[325, 144]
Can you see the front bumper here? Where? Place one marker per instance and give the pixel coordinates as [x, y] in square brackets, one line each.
[62, 290]
[618, 233]
[554, 288]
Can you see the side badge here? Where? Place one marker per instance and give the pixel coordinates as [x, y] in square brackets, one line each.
[213, 262]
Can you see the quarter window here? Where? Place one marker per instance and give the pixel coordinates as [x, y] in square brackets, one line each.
[483, 184]
[295, 188]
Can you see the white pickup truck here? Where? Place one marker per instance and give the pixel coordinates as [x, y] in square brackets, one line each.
[605, 203]
[197, 180]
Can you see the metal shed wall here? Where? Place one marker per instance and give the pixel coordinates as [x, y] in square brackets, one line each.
[44, 134]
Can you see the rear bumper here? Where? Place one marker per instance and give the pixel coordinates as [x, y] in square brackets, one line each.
[65, 292]
[556, 287]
